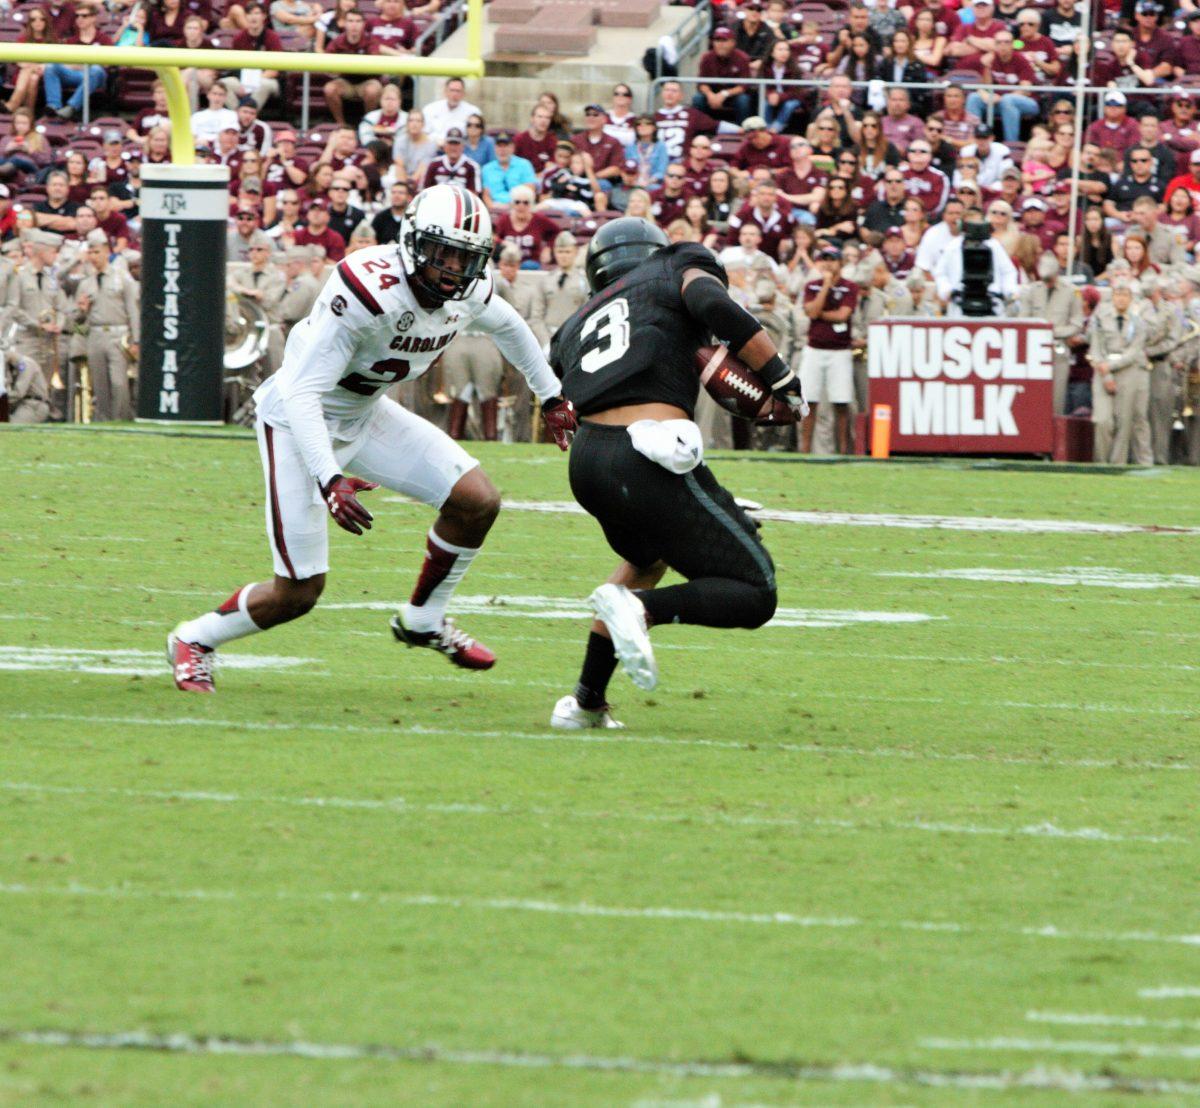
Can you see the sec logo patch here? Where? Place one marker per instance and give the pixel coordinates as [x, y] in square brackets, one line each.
[405, 321]
[337, 305]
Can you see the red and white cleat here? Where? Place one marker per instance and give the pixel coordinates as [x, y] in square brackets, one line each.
[192, 664]
[456, 644]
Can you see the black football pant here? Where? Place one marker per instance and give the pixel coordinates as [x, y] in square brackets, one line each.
[688, 521]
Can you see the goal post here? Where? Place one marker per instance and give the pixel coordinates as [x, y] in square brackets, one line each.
[168, 61]
[185, 208]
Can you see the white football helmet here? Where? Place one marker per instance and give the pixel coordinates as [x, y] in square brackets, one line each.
[448, 231]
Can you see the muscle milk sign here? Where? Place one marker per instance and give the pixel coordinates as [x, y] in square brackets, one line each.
[964, 386]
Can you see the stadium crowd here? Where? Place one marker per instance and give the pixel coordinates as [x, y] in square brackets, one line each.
[916, 117]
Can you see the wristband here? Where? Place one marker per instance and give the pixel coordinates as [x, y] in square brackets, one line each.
[774, 370]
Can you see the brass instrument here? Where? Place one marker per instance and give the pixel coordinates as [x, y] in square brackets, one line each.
[82, 392]
[1187, 396]
[131, 359]
[247, 338]
[5, 346]
[246, 333]
[81, 401]
[81, 386]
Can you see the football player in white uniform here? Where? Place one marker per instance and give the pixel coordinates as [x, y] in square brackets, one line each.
[383, 316]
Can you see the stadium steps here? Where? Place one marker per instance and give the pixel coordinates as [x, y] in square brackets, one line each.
[615, 57]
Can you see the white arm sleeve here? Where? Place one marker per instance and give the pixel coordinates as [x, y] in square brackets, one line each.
[947, 274]
[310, 369]
[1004, 276]
[519, 345]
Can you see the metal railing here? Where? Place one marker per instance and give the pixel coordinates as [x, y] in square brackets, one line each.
[439, 29]
[692, 36]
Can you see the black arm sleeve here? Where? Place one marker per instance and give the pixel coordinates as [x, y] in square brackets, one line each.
[709, 304]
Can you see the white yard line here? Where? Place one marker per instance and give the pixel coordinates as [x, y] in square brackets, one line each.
[602, 738]
[126, 663]
[1101, 1019]
[1170, 992]
[663, 645]
[1015, 705]
[869, 1073]
[907, 522]
[1103, 577]
[588, 910]
[131, 589]
[318, 628]
[847, 696]
[574, 608]
[1065, 1046]
[399, 804]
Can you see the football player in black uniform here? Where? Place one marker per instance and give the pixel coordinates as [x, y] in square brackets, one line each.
[627, 363]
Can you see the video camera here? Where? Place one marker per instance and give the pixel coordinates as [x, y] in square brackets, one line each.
[978, 271]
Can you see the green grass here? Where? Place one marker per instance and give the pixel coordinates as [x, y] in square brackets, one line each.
[166, 867]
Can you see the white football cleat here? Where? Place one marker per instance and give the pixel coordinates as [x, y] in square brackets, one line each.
[569, 716]
[625, 617]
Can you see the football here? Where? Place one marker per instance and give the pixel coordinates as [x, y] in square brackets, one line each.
[739, 389]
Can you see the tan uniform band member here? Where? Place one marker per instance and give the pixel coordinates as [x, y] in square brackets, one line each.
[107, 301]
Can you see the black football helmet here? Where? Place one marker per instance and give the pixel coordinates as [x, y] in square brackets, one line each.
[619, 246]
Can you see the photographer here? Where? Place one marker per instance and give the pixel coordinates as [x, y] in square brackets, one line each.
[827, 366]
[975, 276]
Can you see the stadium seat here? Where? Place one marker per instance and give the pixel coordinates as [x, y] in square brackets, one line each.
[827, 20]
[57, 132]
[564, 221]
[293, 40]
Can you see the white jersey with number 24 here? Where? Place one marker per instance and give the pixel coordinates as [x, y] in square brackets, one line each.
[365, 333]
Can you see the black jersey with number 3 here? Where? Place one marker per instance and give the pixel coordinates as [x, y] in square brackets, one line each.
[635, 342]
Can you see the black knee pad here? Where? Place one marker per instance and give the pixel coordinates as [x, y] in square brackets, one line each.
[761, 608]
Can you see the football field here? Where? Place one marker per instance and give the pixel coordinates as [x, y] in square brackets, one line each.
[928, 838]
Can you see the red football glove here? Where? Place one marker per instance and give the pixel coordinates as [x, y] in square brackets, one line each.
[342, 501]
[559, 415]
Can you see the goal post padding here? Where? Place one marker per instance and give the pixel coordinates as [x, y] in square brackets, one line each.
[185, 214]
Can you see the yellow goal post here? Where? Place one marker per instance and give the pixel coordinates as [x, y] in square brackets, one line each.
[167, 63]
